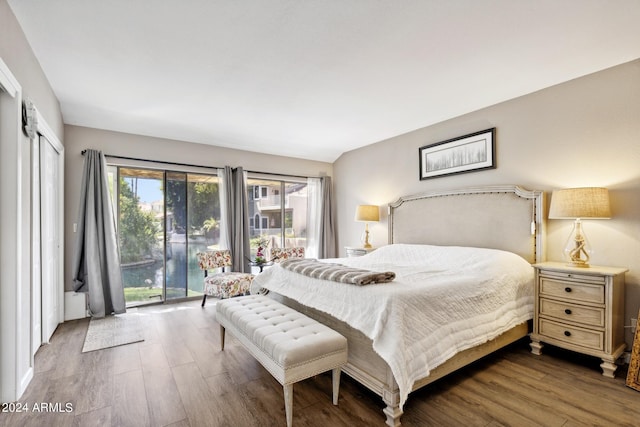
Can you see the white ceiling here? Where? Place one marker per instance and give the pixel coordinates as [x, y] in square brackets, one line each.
[311, 78]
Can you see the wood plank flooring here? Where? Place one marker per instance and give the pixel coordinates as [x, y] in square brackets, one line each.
[178, 377]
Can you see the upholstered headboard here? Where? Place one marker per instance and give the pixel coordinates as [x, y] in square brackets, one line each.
[504, 217]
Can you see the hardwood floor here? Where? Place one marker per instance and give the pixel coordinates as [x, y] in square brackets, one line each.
[178, 377]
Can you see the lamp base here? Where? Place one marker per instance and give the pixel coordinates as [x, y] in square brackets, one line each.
[579, 264]
[366, 245]
[577, 250]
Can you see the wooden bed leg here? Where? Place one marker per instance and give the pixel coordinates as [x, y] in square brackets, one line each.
[392, 411]
[222, 337]
[393, 415]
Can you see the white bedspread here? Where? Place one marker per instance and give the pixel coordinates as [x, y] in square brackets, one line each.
[443, 301]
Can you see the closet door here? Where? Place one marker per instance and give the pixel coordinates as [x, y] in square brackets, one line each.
[36, 249]
[50, 236]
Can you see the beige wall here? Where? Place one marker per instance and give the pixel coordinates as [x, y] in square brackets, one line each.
[585, 132]
[122, 144]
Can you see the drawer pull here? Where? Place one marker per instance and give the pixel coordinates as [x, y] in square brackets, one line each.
[567, 311]
[567, 289]
[567, 333]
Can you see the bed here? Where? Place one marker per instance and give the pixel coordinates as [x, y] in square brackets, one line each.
[470, 249]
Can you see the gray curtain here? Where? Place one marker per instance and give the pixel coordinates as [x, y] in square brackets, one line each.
[226, 203]
[237, 224]
[96, 260]
[327, 238]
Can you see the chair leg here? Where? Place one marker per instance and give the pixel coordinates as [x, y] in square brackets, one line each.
[204, 299]
[288, 403]
[222, 332]
[335, 376]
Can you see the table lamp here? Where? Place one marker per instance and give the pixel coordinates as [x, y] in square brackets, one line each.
[366, 214]
[578, 204]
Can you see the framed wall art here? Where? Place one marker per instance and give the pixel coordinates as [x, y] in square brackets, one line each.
[466, 153]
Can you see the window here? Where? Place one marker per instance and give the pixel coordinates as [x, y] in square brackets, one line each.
[262, 191]
[278, 209]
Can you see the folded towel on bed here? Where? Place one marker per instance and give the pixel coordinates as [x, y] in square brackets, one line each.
[336, 272]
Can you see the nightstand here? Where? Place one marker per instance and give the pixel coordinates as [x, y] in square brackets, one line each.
[580, 309]
[353, 251]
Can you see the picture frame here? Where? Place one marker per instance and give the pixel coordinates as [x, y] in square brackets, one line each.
[468, 153]
[634, 363]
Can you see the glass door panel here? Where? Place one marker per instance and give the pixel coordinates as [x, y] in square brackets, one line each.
[278, 212]
[203, 213]
[176, 244]
[141, 234]
[265, 213]
[295, 214]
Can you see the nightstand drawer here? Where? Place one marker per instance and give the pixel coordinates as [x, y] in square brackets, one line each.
[572, 291]
[589, 316]
[571, 276]
[572, 335]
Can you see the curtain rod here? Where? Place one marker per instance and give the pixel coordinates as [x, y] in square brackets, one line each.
[155, 161]
[194, 166]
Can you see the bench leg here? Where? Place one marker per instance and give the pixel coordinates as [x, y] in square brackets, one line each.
[222, 331]
[335, 379]
[204, 299]
[288, 403]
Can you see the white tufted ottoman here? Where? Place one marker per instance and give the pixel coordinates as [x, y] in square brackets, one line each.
[290, 345]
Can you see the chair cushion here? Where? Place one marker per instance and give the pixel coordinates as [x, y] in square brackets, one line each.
[226, 285]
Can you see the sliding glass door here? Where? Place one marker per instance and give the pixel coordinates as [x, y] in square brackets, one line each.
[164, 219]
[141, 229]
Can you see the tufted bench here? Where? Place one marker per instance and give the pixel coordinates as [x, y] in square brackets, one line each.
[290, 345]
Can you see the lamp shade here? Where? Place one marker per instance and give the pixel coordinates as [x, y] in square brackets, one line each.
[572, 203]
[367, 213]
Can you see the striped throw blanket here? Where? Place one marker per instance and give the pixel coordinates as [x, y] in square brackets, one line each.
[336, 272]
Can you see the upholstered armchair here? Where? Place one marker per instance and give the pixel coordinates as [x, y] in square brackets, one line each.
[280, 254]
[222, 284]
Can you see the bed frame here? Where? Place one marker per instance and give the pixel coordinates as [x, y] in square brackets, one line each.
[504, 217]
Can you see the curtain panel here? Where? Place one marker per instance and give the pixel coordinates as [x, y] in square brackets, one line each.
[314, 203]
[328, 243]
[235, 217]
[321, 219]
[96, 260]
